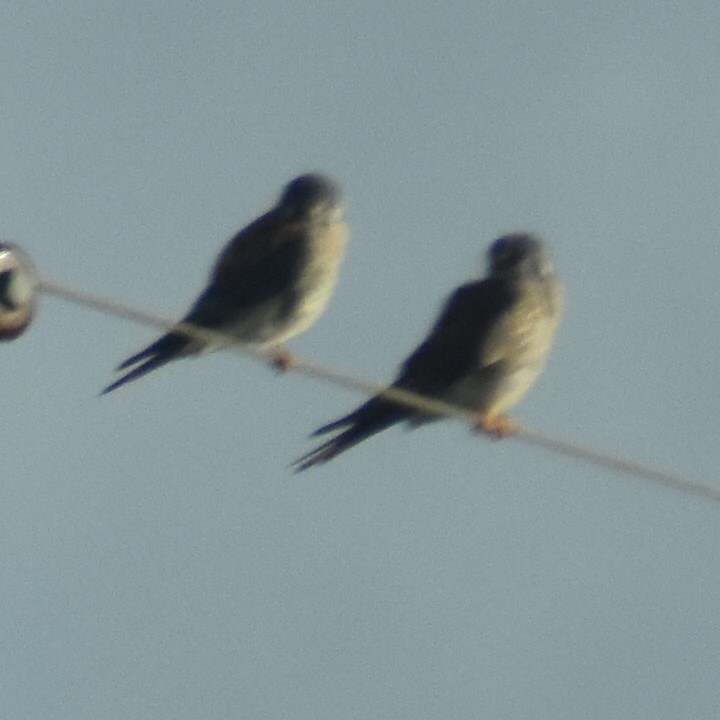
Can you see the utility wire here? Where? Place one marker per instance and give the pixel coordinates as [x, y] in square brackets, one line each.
[428, 405]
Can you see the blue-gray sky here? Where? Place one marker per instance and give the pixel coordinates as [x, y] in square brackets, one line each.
[158, 558]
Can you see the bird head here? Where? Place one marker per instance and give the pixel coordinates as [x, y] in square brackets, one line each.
[310, 194]
[519, 254]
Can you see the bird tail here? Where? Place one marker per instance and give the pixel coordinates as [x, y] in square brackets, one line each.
[162, 351]
[369, 419]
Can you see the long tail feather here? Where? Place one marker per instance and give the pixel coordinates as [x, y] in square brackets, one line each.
[169, 344]
[371, 418]
[162, 351]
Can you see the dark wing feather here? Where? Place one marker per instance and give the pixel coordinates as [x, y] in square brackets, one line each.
[454, 346]
[162, 351]
[369, 419]
[261, 262]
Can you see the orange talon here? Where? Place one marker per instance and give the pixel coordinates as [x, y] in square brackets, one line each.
[282, 360]
[497, 426]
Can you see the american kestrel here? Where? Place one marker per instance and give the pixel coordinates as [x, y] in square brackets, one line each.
[18, 289]
[483, 354]
[270, 283]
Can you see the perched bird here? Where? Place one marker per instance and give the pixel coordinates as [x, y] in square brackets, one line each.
[18, 290]
[483, 354]
[270, 283]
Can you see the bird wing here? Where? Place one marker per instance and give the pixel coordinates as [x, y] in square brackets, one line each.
[258, 263]
[462, 338]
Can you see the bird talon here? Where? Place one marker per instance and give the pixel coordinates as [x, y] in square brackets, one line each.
[497, 427]
[283, 360]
